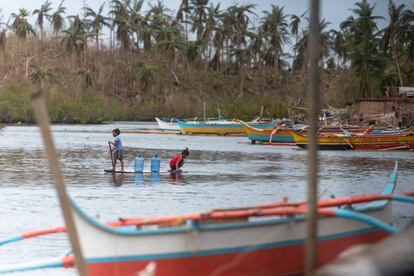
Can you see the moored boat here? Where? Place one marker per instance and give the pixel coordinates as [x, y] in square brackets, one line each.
[165, 125]
[253, 241]
[278, 135]
[401, 140]
[221, 127]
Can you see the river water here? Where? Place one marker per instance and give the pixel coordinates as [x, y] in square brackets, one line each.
[220, 172]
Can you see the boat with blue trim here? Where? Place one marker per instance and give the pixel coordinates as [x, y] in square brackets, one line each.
[222, 127]
[267, 239]
[276, 135]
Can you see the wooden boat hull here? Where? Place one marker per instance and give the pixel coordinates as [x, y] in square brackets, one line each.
[403, 140]
[263, 135]
[222, 128]
[269, 245]
[274, 260]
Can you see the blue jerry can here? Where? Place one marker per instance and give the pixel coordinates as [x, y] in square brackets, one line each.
[139, 164]
[155, 163]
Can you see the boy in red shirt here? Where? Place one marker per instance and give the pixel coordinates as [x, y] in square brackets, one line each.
[178, 161]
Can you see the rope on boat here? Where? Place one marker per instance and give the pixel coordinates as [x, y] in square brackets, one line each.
[66, 261]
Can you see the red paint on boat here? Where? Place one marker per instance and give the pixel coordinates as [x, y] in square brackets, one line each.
[269, 261]
[41, 232]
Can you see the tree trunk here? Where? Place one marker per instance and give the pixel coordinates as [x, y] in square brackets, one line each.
[397, 64]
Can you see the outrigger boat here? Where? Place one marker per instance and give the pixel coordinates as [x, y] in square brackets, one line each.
[266, 239]
[280, 136]
[171, 125]
[222, 127]
[380, 140]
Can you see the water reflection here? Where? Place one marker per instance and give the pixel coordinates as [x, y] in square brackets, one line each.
[176, 179]
[117, 179]
[139, 178]
[155, 177]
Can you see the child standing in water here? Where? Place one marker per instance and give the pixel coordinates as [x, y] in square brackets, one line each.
[117, 150]
[178, 161]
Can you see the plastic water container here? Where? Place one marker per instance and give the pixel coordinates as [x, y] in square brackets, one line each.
[155, 163]
[155, 177]
[139, 178]
[139, 164]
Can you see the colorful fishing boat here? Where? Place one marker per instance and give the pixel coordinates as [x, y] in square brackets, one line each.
[266, 239]
[279, 135]
[401, 140]
[221, 127]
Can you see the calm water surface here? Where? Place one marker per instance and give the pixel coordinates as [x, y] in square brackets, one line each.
[220, 172]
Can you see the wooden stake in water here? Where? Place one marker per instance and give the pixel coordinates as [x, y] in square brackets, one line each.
[204, 111]
[314, 83]
[42, 118]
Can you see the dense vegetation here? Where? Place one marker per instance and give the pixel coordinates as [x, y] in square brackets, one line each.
[160, 63]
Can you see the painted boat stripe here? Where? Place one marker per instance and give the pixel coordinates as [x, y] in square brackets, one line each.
[226, 250]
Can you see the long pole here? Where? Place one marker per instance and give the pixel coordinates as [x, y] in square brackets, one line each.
[112, 157]
[314, 83]
[42, 118]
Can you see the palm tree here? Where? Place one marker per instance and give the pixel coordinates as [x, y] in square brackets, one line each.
[3, 38]
[212, 20]
[123, 23]
[300, 48]
[393, 40]
[20, 26]
[57, 19]
[97, 21]
[158, 14]
[74, 38]
[182, 15]
[408, 19]
[240, 20]
[339, 46]
[146, 75]
[170, 41]
[274, 30]
[199, 10]
[365, 58]
[294, 26]
[42, 14]
[137, 20]
[41, 75]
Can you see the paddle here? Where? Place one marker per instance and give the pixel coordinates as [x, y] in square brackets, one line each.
[112, 157]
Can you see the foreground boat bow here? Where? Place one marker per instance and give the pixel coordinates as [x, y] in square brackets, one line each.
[264, 241]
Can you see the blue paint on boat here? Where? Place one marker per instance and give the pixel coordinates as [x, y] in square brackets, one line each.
[275, 138]
[224, 125]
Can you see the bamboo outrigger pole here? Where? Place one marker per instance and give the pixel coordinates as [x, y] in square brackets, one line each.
[42, 118]
[314, 82]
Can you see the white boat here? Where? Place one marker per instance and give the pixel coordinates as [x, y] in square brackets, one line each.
[172, 125]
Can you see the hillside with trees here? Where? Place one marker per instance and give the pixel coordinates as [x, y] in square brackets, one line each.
[134, 64]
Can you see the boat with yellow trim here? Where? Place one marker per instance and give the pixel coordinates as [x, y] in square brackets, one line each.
[277, 135]
[222, 127]
[387, 140]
